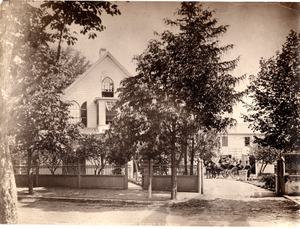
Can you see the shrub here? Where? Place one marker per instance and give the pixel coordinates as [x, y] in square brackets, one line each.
[268, 179]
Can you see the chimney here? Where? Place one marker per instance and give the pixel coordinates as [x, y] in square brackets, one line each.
[101, 52]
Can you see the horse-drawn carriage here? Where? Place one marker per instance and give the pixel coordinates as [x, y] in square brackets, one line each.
[225, 165]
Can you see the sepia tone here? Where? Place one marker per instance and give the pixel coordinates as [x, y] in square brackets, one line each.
[227, 190]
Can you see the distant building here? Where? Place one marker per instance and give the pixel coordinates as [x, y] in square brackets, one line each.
[236, 143]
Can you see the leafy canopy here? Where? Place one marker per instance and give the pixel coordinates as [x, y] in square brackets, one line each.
[275, 108]
[188, 65]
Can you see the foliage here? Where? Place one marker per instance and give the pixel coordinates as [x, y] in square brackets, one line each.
[63, 14]
[268, 179]
[93, 148]
[42, 118]
[275, 109]
[266, 154]
[182, 87]
[207, 144]
[24, 30]
[74, 62]
[188, 66]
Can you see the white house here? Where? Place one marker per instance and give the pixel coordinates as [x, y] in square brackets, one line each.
[237, 141]
[93, 94]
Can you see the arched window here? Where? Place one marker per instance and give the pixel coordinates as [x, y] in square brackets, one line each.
[107, 87]
[83, 112]
[74, 112]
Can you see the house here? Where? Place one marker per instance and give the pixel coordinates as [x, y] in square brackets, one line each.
[93, 94]
[236, 142]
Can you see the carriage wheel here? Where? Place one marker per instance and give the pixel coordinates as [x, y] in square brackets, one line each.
[234, 172]
[225, 173]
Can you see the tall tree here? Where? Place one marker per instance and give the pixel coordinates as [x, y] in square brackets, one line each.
[275, 108]
[22, 25]
[15, 30]
[189, 68]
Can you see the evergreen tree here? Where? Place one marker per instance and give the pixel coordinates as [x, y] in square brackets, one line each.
[183, 77]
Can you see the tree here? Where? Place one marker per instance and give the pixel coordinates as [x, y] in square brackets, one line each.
[10, 27]
[86, 14]
[41, 120]
[266, 154]
[188, 68]
[25, 25]
[207, 144]
[275, 108]
[93, 148]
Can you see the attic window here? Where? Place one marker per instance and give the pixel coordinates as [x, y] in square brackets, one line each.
[107, 87]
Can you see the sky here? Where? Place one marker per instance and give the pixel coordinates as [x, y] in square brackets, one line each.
[256, 29]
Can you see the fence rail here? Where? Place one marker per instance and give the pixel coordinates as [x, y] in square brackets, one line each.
[87, 176]
[189, 170]
[72, 170]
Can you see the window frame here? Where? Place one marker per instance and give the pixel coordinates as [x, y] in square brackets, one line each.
[76, 109]
[224, 140]
[107, 88]
[247, 142]
[110, 113]
[83, 113]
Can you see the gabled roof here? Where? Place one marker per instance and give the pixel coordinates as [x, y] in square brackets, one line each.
[105, 55]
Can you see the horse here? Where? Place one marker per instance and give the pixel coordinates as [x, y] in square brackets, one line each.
[212, 169]
[208, 168]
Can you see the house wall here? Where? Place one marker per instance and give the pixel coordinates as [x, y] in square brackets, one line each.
[88, 87]
[236, 145]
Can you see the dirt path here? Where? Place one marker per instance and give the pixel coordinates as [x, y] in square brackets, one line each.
[219, 212]
[225, 203]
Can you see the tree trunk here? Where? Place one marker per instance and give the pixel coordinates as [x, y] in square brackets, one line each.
[185, 158]
[8, 192]
[262, 168]
[173, 167]
[192, 158]
[29, 172]
[136, 169]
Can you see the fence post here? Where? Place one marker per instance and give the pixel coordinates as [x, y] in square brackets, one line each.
[282, 177]
[199, 176]
[202, 174]
[37, 176]
[126, 176]
[150, 175]
[277, 178]
[79, 176]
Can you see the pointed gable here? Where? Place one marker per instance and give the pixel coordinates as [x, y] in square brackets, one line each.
[87, 87]
[106, 66]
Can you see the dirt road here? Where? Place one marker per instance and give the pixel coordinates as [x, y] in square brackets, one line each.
[224, 203]
[218, 212]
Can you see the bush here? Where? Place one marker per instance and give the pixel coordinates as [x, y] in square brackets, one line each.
[268, 179]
